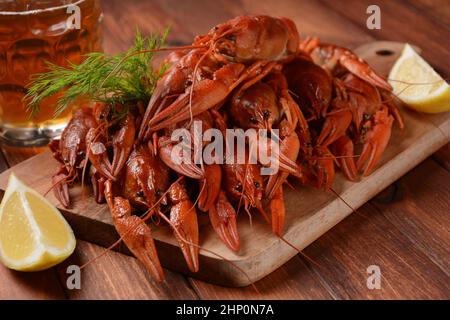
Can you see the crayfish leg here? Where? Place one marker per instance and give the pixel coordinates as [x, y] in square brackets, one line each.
[205, 94]
[277, 211]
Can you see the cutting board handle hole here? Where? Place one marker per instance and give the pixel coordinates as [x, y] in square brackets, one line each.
[384, 52]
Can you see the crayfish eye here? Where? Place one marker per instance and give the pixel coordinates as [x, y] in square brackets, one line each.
[231, 37]
[266, 114]
[81, 153]
[140, 193]
[238, 188]
[256, 184]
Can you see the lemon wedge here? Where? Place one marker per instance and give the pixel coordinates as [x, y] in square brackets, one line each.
[33, 234]
[416, 83]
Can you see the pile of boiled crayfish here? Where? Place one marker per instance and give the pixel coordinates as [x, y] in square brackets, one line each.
[249, 72]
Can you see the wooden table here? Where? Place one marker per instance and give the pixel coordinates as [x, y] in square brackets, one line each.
[404, 230]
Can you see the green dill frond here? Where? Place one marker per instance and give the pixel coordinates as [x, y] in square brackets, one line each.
[122, 78]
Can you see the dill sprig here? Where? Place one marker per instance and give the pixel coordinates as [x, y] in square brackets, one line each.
[121, 78]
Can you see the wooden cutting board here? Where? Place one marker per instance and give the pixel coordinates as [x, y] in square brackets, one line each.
[310, 213]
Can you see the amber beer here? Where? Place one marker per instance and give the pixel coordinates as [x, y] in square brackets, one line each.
[31, 33]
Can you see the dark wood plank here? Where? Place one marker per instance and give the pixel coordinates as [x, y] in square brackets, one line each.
[3, 163]
[368, 238]
[291, 281]
[188, 19]
[437, 9]
[400, 22]
[116, 276]
[421, 211]
[14, 156]
[36, 285]
[442, 156]
[313, 19]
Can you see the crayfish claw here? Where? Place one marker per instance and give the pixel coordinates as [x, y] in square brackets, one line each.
[187, 169]
[324, 167]
[343, 149]
[123, 141]
[362, 70]
[223, 220]
[183, 219]
[98, 155]
[60, 188]
[135, 233]
[98, 185]
[334, 127]
[376, 141]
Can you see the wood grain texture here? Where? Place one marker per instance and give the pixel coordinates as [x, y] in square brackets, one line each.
[442, 156]
[396, 24]
[118, 277]
[3, 163]
[13, 156]
[293, 280]
[435, 9]
[193, 17]
[36, 285]
[368, 238]
[421, 211]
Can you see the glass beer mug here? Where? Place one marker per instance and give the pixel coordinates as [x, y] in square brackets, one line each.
[32, 33]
